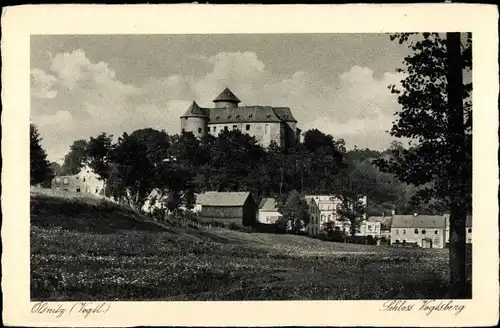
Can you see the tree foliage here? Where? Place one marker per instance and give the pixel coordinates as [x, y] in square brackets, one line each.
[39, 166]
[76, 158]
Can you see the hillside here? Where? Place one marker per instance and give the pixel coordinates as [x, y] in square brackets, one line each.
[83, 248]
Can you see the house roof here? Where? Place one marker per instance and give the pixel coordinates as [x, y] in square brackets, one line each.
[419, 221]
[195, 111]
[227, 95]
[214, 198]
[268, 204]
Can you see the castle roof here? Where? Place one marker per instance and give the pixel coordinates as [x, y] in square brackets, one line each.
[227, 95]
[248, 114]
[195, 111]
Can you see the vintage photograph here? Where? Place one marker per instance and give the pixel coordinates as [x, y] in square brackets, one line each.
[237, 167]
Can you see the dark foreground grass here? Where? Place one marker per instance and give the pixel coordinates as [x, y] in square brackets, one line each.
[217, 264]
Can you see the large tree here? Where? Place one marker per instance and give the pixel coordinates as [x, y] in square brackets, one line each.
[39, 166]
[76, 158]
[436, 115]
[98, 156]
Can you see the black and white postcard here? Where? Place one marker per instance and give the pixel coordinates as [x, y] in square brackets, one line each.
[208, 165]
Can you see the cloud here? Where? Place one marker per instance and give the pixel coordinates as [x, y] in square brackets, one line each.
[79, 98]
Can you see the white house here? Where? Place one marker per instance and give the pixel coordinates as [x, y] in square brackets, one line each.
[314, 226]
[370, 228]
[268, 211]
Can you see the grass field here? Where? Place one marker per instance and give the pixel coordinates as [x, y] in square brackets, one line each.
[86, 249]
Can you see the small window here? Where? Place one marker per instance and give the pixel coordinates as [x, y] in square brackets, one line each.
[199, 130]
[266, 128]
[78, 178]
[235, 127]
[423, 232]
[229, 116]
[436, 232]
[96, 191]
[404, 241]
[286, 115]
[183, 130]
[416, 231]
[404, 231]
[77, 189]
[247, 127]
[397, 241]
[214, 129]
[268, 115]
[83, 179]
[470, 230]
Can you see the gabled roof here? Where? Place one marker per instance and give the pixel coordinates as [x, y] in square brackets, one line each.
[268, 204]
[195, 111]
[419, 221]
[227, 95]
[214, 198]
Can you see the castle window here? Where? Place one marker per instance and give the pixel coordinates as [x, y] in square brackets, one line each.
[199, 130]
[470, 230]
[235, 127]
[286, 115]
[436, 232]
[247, 127]
[404, 232]
[77, 178]
[229, 116]
[268, 115]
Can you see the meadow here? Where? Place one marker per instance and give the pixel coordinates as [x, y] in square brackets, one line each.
[85, 248]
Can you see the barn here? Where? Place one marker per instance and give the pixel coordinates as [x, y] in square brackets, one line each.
[238, 207]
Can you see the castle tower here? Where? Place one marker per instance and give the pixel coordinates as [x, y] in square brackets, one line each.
[226, 99]
[195, 120]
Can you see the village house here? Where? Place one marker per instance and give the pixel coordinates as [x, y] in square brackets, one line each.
[370, 227]
[385, 225]
[85, 181]
[265, 123]
[314, 227]
[238, 207]
[268, 211]
[427, 231]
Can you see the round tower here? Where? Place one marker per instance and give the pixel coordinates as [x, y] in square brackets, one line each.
[195, 120]
[226, 99]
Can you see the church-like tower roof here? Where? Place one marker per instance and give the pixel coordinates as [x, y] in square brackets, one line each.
[227, 96]
[194, 111]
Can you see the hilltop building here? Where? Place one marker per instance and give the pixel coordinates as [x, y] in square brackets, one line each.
[86, 181]
[265, 123]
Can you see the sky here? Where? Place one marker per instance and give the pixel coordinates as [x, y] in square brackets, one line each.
[82, 85]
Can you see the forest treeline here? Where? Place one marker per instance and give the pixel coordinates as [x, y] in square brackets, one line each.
[179, 166]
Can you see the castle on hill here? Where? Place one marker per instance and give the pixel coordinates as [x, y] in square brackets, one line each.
[265, 123]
